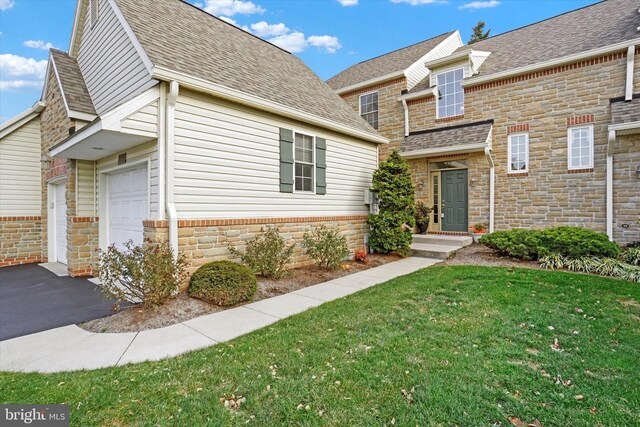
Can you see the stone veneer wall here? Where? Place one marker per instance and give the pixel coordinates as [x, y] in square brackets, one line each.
[626, 188]
[203, 241]
[83, 245]
[20, 240]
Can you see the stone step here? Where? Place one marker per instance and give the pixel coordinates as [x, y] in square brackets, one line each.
[442, 239]
[430, 250]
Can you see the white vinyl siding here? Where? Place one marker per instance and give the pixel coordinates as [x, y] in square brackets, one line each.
[110, 64]
[519, 153]
[227, 165]
[450, 97]
[20, 186]
[85, 187]
[141, 152]
[580, 147]
[143, 122]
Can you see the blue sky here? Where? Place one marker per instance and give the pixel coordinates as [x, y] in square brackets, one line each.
[329, 35]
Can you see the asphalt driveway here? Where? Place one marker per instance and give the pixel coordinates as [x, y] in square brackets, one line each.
[33, 299]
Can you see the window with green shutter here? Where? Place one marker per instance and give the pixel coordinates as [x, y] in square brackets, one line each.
[303, 163]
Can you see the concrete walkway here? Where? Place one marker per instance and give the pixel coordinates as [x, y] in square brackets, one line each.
[71, 348]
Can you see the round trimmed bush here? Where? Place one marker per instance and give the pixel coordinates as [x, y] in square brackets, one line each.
[223, 283]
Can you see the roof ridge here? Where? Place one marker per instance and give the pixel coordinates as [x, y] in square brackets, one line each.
[538, 22]
[234, 26]
[406, 47]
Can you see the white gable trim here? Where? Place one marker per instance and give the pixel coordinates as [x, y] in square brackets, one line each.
[136, 43]
[74, 31]
[21, 119]
[235, 95]
[416, 72]
[370, 82]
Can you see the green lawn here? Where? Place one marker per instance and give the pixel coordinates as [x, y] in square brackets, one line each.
[469, 346]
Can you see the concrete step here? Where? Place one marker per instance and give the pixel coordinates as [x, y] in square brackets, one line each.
[430, 250]
[442, 239]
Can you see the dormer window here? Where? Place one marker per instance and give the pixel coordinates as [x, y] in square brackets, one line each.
[450, 93]
[93, 12]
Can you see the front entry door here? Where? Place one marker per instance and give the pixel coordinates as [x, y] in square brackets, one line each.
[454, 200]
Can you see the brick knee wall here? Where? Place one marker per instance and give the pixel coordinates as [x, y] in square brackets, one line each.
[20, 240]
[203, 241]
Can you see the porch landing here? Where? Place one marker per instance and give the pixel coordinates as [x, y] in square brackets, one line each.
[438, 246]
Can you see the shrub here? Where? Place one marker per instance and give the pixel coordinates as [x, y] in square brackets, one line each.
[361, 256]
[423, 215]
[588, 264]
[517, 243]
[223, 283]
[146, 273]
[266, 254]
[571, 242]
[576, 242]
[391, 227]
[632, 256]
[326, 246]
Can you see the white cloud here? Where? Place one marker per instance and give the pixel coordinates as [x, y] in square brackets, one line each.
[416, 2]
[329, 43]
[263, 29]
[348, 2]
[230, 7]
[17, 72]
[294, 42]
[38, 44]
[480, 4]
[233, 22]
[6, 4]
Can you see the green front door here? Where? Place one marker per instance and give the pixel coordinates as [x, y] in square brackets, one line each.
[454, 200]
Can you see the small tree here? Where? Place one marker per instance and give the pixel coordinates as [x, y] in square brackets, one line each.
[391, 228]
[478, 33]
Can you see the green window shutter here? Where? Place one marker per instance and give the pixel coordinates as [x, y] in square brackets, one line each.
[286, 160]
[321, 166]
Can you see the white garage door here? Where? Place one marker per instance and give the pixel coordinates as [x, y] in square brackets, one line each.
[60, 205]
[128, 206]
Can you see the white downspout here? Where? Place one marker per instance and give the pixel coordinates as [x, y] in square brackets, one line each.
[609, 180]
[174, 87]
[406, 117]
[628, 93]
[162, 144]
[492, 179]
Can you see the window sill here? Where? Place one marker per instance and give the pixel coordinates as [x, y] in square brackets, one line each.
[450, 119]
[517, 173]
[580, 170]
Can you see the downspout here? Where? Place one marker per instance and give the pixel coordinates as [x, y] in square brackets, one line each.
[162, 144]
[492, 179]
[609, 180]
[628, 94]
[170, 154]
[406, 117]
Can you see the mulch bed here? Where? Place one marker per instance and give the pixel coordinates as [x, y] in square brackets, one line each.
[476, 254]
[182, 307]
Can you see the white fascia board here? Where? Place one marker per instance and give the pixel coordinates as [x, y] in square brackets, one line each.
[551, 63]
[456, 57]
[136, 43]
[417, 95]
[77, 115]
[624, 126]
[46, 78]
[21, 119]
[467, 148]
[235, 95]
[376, 80]
[74, 31]
[77, 137]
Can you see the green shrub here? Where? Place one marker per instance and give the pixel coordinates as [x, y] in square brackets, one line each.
[631, 256]
[588, 264]
[326, 246]
[392, 227]
[576, 242]
[266, 254]
[518, 243]
[571, 242]
[146, 273]
[223, 283]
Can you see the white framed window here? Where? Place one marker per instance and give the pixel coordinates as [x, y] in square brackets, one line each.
[518, 152]
[304, 162]
[369, 108]
[580, 147]
[93, 11]
[450, 100]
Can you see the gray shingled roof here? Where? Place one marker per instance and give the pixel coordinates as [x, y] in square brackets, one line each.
[73, 85]
[392, 62]
[181, 37]
[451, 136]
[584, 29]
[625, 111]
